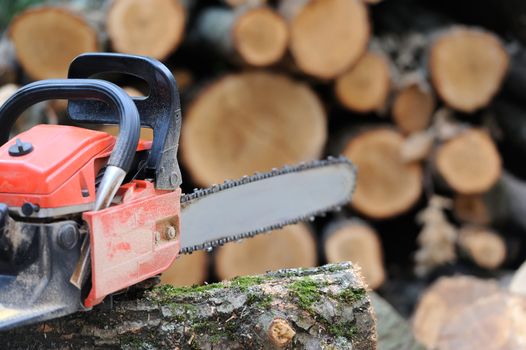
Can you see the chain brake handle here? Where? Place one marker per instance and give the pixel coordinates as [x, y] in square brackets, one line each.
[160, 110]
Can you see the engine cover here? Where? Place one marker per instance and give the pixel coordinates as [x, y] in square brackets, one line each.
[57, 175]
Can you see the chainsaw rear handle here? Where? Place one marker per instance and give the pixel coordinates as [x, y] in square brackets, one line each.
[114, 97]
[160, 110]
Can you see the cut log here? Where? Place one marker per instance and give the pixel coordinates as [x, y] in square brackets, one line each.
[47, 39]
[257, 36]
[365, 87]
[187, 270]
[324, 307]
[394, 333]
[413, 108]
[251, 122]
[444, 299]
[237, 3]
[467, 66]
[292, 246]
[355, 241]
[492, 323]
[327, 37]
[471, 209]
[469, 163]
[485, 247]
[386, 185]
[151, 28]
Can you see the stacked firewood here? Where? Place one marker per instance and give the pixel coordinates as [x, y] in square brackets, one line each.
[432, 115]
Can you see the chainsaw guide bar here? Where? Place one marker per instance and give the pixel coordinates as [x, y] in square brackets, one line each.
[221, 231]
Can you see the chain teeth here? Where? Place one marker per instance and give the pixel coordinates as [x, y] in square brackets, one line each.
[199, 193]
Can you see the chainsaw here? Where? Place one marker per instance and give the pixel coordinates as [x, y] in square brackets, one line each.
[84, 214]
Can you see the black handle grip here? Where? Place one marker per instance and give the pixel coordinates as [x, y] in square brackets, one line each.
[116, 100]
[161, 110]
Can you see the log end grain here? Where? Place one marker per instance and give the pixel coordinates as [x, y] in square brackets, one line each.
[151, 28]
[485, 247]
[413, 108]
[251, 122]
[47, 39]
[260, 36]
[328, 37]
[365, 87]
[291, 246]
[357, 242]
[386, 185]
[469, 162]
[442, 301]
[471, 209]
[187, 270]
[467, 67]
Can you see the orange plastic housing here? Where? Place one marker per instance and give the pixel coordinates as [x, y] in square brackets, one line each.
[61, 169]
[61, 165]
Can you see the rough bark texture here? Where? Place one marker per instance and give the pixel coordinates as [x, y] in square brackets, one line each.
[296, 309]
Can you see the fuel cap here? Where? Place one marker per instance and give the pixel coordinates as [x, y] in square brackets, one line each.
[20, 148]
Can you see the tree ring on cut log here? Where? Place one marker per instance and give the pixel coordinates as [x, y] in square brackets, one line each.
[47, 39]
[470, 162]
[386, 185]
[365, 87]
[328, 37]
[291, 246]
[467, 67]
[151, 28]
[260, 36]
[251, 122]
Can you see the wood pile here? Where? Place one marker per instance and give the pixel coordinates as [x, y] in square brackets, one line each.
[429, 103]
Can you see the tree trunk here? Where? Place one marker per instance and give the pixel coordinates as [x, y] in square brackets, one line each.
[291, 246]
[255, 35]
[327, 37]
[150, 28]
[354, 240]
[467, 67]
[386, 186]
[251, 122]
[47, 38]
[310, 308]
[366, 86]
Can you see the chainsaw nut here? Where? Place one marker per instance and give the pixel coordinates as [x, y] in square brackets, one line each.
[171, 232]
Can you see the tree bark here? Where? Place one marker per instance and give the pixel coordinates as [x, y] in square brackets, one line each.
[299, 308]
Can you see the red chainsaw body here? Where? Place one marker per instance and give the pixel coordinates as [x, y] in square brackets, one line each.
[130, 240]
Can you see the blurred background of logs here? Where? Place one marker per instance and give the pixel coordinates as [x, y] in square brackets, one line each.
[428, 98]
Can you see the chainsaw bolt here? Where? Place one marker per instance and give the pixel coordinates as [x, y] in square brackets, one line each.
[29, 209]
[68, 236]
[171, 232]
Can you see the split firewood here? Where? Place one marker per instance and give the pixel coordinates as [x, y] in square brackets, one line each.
[387, 186]
[437, 240]
[291, 246]
[324, 307]
[355, 241]
[413, 108]
[442, 301]
[251, 122]
[472, 209]
[187, 270]
[492, 323]
[469, 163]
[365, 87]
[467, 67]
[151, 28]
[46, 40]
[326, 37]
[484, 246]
[394, 333]
[256, 35]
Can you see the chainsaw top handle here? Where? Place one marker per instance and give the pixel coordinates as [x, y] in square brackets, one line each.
[160, 110]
